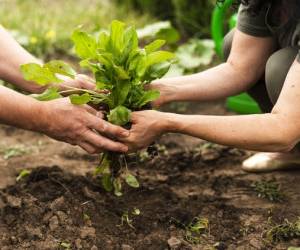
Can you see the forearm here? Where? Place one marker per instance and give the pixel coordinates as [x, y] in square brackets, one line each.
[19, 110]
[12, 55]
[216, 83]
[266, 132]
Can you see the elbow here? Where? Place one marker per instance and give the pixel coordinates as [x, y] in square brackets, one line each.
[283, 143]
[285, 134]
[247, 74]
[285, 147]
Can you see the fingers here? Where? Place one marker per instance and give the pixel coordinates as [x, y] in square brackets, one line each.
[86, 82]
[89, 83]
[107, 128]
[134, 117]
[101, 142]
[93, 111]
[89, 148]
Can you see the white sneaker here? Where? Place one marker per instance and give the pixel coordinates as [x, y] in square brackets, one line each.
[267, 162]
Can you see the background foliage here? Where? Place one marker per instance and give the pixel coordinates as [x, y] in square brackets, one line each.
[44, 26]
[191, 17]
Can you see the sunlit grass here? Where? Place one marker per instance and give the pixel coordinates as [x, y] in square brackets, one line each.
[42, 22]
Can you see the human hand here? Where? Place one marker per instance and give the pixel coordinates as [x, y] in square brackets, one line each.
[166, 92]
[79, 125]
[147, 126]
[79, 82]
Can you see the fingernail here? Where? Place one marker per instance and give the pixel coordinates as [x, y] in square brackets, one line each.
[125, 133]
[125, 149]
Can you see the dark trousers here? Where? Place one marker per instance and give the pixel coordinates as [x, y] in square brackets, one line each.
[267, 90]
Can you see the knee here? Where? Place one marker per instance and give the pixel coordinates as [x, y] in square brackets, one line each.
[227, 44]
[277, 68]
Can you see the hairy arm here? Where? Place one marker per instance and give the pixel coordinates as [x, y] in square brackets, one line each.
[12, 55]
[243, 68]
[61, 120]
[20, 110]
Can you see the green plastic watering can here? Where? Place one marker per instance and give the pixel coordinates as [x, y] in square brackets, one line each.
[243, 103]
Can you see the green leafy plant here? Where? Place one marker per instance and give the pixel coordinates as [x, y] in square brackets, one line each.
[193, 56]
[120, 68]
[194, 231]
[65, 245]
[269, 190]
[284, 231]
[160, 30]
[14, 151]
[125, 218]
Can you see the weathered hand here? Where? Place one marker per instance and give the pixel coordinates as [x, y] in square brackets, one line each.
[146, 127]
[80, 125]
[80, 82]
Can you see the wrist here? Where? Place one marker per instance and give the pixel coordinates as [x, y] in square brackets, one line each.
[39, 116]
[168, 92]
[169, 123]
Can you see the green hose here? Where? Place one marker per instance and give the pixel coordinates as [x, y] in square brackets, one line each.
[217, 29]
[243, 103]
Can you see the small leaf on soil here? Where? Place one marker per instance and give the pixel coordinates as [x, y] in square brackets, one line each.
[132, 181]
[136, 211]
[23, 174]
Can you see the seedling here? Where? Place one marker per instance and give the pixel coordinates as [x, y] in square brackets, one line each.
[65, 245]
[14, 151]
[144, 156]
[121, 70]
[195, 229]
[86, 217]
[23, 174]
[156, 150]
[285, 231]
[125, 218]
[269, 190]
[136, 211]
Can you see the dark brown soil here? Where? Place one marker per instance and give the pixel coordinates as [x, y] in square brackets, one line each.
[63, 203]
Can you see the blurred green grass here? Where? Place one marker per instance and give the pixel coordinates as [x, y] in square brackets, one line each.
[44, 26]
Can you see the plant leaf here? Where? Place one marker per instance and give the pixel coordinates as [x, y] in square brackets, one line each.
[48, 95]
[23, 174]
[121, 92]
[136, 211]
[121, 73]
[130, 43]
[80, 99]
[119, 116]
[171, 35]
[195, 53]
[117, 36]
[148, 96]
[103, 40]
[107, 183]
[85, 44]
[132, 181]
[157, 71]
[117, 187]
[60, 67]
[154, 46]
[39, 74]
[158, 57]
